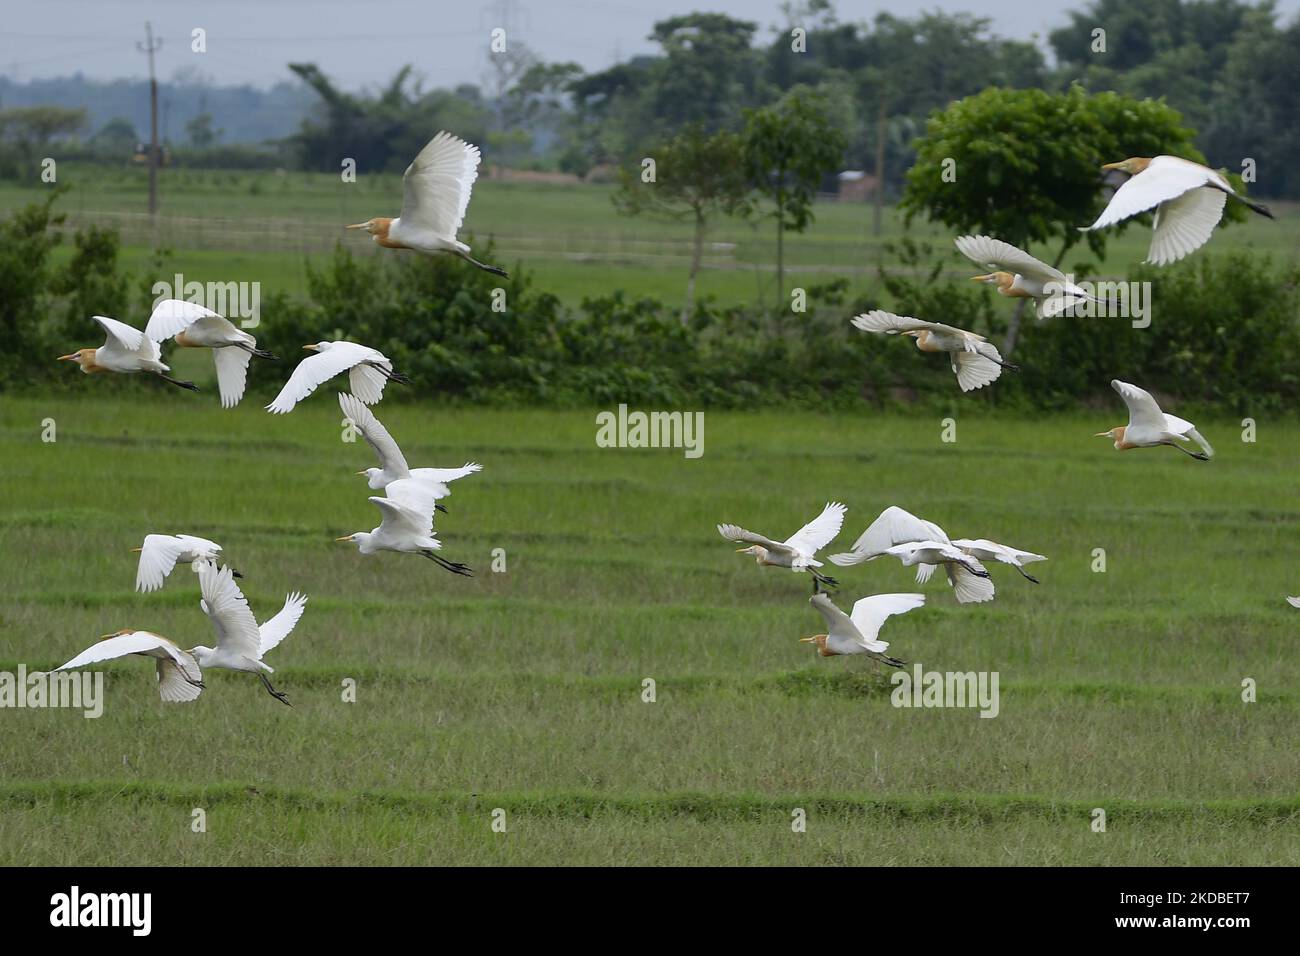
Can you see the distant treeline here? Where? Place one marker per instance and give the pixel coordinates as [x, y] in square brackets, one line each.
[1228, 66]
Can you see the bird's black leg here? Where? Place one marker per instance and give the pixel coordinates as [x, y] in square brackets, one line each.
[260, 353]
[175, 381]
[272, 691]
[1027, 575]
[452, 566]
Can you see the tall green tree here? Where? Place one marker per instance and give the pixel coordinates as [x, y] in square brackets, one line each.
[697, 177]
[787, 149]
[1025, 165]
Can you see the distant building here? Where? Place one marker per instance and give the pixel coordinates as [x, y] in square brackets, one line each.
[856, 185]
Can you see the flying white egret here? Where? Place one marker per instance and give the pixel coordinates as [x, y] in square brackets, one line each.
[858, 633]
[797, 552]
[241, 643]
[368, 371]
[161, 552]
[975, 361]
[179, 677]
[896, 527]
[1148, 426]
[1020, 275]
[435, 195]
[194, 327]
[392, 462]
[1188, 200]
[407, 525]
[971, 583]
[983, 549]
[126, 350]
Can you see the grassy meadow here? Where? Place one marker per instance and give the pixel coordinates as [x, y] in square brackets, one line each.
[521, 690]
[265, 226]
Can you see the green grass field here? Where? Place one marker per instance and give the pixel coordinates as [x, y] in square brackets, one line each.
[522, 690]
[264, 226]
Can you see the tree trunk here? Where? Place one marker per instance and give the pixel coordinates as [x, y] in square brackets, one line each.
[697, 251]
[780, 254]
[1013, 327]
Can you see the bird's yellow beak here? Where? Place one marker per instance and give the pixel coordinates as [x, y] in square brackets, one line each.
[741, 550]
[807, 640]
[981, 278]
[311, 348]
[1102, 435]
[362, 472]
[64, 358]
[358, 225]
[1119, 165]
[345, 538]
[137, 550]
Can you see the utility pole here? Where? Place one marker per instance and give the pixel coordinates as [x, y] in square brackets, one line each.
[880, 166]
[148, 47]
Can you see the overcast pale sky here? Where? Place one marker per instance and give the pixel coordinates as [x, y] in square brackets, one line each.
[362, 42]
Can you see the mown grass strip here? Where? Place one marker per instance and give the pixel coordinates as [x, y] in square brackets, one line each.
[973, 807]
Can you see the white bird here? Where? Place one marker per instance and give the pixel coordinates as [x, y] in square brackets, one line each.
[1188, 199]
[161, 552]
[179, 677]
[983, 550]
[975, 360]
[241, 643]
[1293, 601]
[797, 552]
[894, 528]
[971, 583]
[392, 462]
[126, 350]
[1020, 275]
[435, 195]
[859, 633]
[407, 525]
[1148, 426]
[194, 327]
[369, 368]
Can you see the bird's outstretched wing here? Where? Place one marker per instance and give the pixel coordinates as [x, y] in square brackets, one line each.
[436, 186]
[969, 588]
[171, 316]
[870, 613]
[444, 475]
[120, 645]
[1184, 224]
[228, 610]
[158, 557]
[1003, 256]
[277, 628]
[819, 532]
[837, 622]
[132, 340]
[1001, 552]
[391, 459]
[879, 320]
[892, 526]
[173, 687]
[315, 370]
[1293, 601]
[1143, 412]
[974, 370]
[734, 532]
[1165, 179]
[232, 373]
[408, 504]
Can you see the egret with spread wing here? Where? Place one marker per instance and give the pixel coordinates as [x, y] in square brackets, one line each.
[1188, 200]
[368, 371]
[797, 552]
[192, 326]
[179, 677]
[407, 525]
[126, 350]
[161, 553]
[984, 550]
[1148, 426]
[1019, 275]
[392, 463]
[241, 643]
[859, 632]
[435, 195]
[975, 361]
